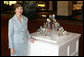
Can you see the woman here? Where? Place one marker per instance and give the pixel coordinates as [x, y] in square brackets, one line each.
[18, 34]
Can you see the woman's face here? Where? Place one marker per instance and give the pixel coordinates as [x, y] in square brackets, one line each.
[19, 10]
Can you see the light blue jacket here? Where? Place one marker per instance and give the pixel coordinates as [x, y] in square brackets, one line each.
[17, 31]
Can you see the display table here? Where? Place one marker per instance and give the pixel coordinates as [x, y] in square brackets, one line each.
[53, 45]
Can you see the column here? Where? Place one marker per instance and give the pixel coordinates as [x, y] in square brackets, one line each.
[50, 5]
[64, 8]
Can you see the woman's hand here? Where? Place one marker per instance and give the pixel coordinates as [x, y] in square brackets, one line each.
[12, 50]
[31, 40]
